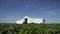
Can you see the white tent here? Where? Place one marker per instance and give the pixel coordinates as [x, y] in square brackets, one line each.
[30, 20]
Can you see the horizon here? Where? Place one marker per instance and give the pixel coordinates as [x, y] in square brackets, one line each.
[12, 10]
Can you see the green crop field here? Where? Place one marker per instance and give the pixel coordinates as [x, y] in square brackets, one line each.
[29, 28]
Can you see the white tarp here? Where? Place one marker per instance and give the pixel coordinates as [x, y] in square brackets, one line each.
[30, 20]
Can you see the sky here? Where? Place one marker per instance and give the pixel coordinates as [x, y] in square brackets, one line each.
[12, 10]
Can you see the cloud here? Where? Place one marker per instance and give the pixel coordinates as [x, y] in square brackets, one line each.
[51, 13]
[27, 6]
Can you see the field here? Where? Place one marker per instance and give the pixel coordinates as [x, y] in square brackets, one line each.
[29, 28]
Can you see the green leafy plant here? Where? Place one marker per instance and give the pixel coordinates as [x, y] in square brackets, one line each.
[30, 28]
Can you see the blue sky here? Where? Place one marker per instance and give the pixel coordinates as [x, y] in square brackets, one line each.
[12, 10]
